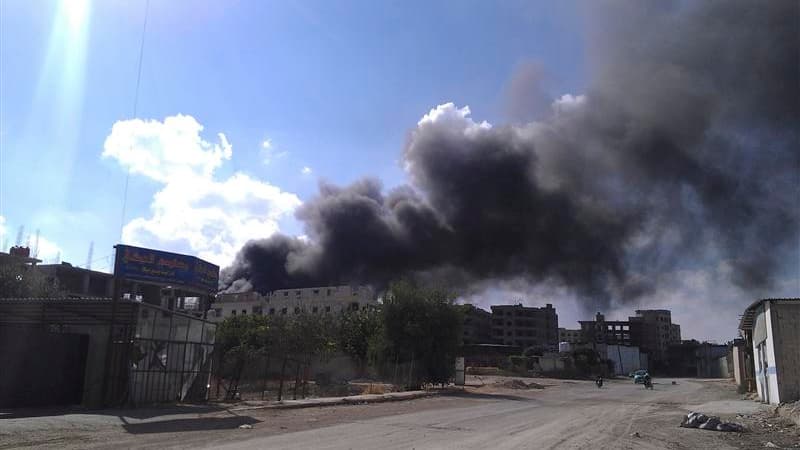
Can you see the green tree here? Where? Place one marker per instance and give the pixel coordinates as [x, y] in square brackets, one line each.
[356, 331]
[422, 327]
[23, 281]
[239, 340]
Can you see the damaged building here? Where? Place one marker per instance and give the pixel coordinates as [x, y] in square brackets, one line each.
[770, 355]
[144, 344]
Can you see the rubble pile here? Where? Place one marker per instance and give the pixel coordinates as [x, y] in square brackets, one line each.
[702, 421]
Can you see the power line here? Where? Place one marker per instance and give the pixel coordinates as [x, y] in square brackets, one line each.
[135, 112]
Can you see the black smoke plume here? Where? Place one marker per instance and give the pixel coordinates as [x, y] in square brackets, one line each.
[682, 152]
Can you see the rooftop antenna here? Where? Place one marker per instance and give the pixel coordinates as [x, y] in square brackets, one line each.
[89, 257]
[28, 241]
[19, 235]
[36, 245]
[58, 257]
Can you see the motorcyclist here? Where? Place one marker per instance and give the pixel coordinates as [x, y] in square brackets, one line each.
[599, 381]
[648, 383]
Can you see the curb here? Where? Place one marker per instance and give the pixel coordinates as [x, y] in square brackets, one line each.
[336, 401]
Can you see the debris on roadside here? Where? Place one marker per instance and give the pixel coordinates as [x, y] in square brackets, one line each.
[704, 422]
[635, 434]
[245, 426]
[517, 384]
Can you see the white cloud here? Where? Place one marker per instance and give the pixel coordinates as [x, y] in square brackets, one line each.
[306, 170]
[165, 150]
[48, 250]
[568, 103]
[449, 116]
[270, 153]
[195, 212]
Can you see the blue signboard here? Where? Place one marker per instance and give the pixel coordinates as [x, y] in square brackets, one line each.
[144, 264]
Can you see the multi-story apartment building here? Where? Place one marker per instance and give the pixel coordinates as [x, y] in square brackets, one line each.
[569, 336]
[315, 300]
[525, 326]
[477, 327]
[657, 331]
[651, 330]
[612, 332]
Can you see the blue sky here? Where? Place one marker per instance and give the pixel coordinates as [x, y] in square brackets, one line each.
[332, 86]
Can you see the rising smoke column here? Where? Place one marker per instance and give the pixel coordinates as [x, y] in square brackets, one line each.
[683, 150]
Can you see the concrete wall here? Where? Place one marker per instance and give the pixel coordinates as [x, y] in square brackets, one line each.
[785, 319]
[738, 366]
[764, 354]
[720, 368]
[626, 359]
[551, 363]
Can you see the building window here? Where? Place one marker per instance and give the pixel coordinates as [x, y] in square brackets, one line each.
[233, 312]
[297, 310]
[328, 308]
[244, 311]
[316, 291]
[256, 310]
[297, 293]
[283, 311]
[329, 292]
[354, 306]
[286, 294]
[314, 310]
[272, 311]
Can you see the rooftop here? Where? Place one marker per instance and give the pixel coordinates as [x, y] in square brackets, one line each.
[748, 318]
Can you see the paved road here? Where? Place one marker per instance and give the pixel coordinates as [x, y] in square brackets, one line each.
[574, 415]
[566, 414]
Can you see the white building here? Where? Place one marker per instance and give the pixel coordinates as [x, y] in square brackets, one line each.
[770, 326]
[315, 300]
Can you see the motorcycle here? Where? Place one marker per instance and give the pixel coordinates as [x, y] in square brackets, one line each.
[599, 382]
[648, 383]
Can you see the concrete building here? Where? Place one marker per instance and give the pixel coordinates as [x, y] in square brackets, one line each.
[78, 282]
[18, 256]
[525, 326]
[658, 332]
[712, 360]
[314, 300]
[770, 327]
[241, 303]
[569, 336]
[93, 352]
[611, 332]
[477, 328]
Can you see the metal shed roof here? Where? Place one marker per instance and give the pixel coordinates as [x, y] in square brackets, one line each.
[748, 318]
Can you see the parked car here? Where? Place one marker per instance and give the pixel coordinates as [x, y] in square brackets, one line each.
[638, 376]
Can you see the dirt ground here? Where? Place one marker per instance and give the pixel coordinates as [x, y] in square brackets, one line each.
[497, 412]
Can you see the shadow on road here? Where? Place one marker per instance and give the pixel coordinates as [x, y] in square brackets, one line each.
[193, 424]
[487, 396]
[137, 413]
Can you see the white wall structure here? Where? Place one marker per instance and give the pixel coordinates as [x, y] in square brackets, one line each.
[776, 349]
[626, 358]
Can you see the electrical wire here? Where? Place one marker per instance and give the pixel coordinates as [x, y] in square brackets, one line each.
[135, 112]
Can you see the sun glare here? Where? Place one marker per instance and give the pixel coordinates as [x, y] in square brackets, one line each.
[76, 12]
